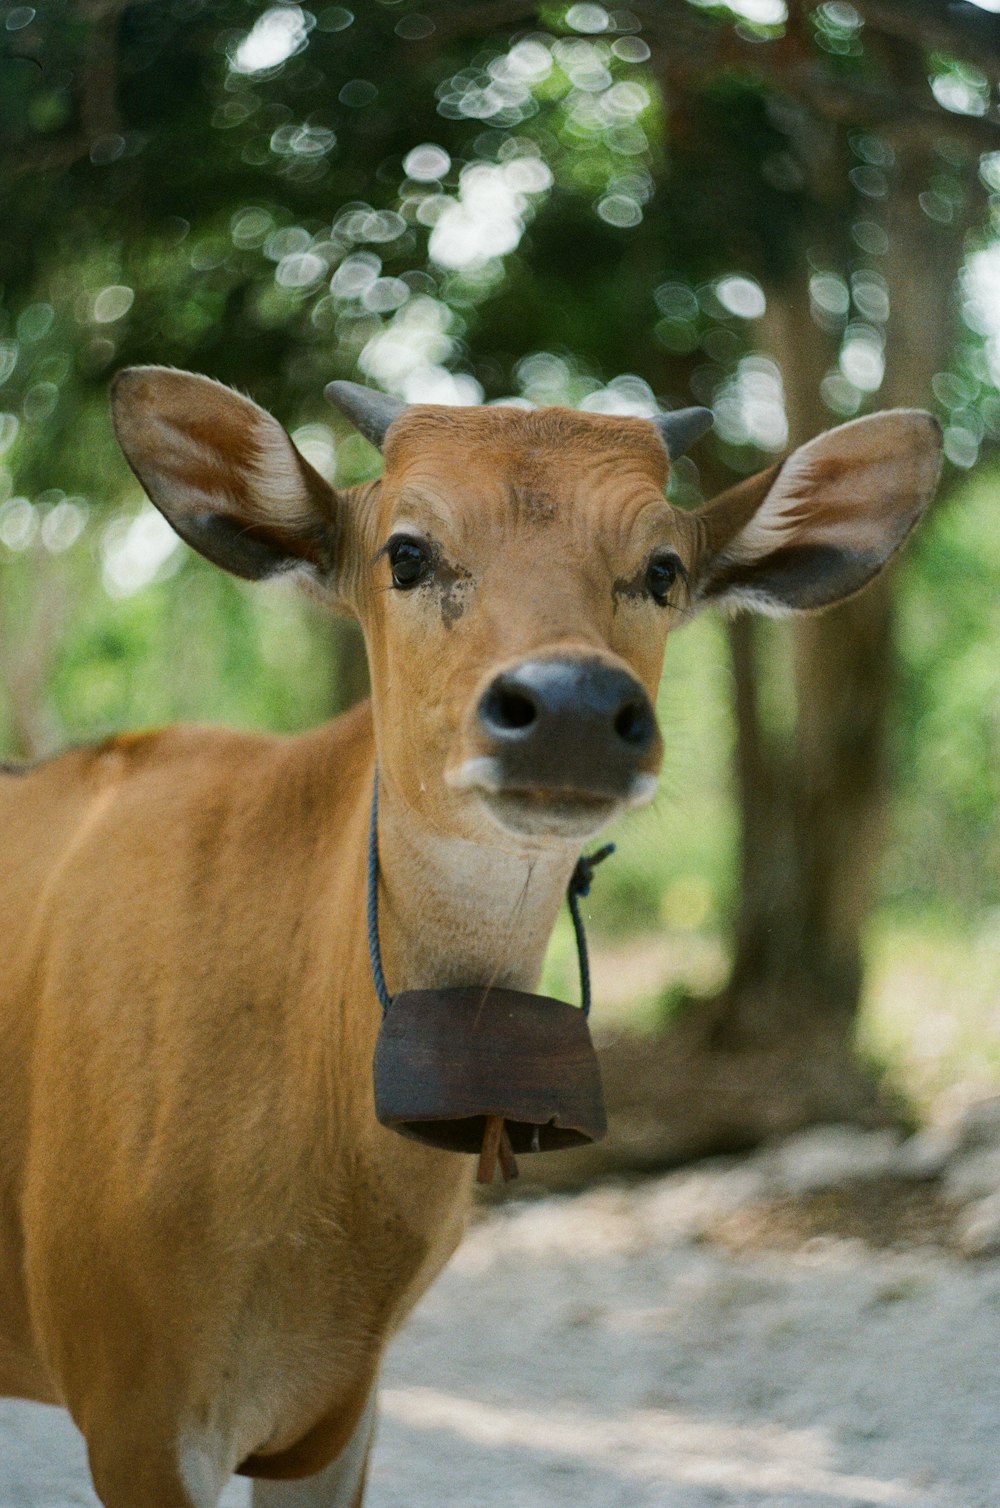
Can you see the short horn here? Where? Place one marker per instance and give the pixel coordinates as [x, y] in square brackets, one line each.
[678, 429]
[369, 411]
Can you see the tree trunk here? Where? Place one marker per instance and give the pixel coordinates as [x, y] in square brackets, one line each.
[799, 941]
[775, 1050]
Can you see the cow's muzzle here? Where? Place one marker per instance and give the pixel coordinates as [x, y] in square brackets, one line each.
[565, 743]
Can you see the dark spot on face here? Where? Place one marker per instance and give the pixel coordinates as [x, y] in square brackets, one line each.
[533, 504]
[633, 589]
[452, 608]
[454, 584]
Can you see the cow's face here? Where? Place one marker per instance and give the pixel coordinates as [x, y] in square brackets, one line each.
[516, 573]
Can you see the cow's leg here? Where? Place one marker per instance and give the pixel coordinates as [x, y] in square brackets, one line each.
[129, 1484]
[133, 1470]
[341, 1485]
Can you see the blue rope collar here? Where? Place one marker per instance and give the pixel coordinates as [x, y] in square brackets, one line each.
[579, 885]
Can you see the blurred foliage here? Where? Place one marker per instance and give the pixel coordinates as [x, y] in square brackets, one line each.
[948, 741]
[464, 203]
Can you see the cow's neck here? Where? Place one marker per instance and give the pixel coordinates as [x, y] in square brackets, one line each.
[454, 912]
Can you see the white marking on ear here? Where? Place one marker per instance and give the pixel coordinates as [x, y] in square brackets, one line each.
[206, 440]
[770, 525]
[225, 474]
[857, 487]
[277, 472]
[745, 600]
[272, 475]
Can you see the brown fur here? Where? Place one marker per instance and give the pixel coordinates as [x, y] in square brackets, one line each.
[206, 1239]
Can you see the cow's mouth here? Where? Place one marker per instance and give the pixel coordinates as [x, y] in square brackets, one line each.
[531, 813]
[564, 811]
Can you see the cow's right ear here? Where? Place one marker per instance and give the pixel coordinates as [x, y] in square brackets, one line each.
[815, 529]
[224, 474]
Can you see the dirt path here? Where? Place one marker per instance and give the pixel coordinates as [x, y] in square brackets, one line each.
[757, 1334]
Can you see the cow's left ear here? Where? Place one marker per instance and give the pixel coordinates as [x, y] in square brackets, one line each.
[224, 474]
[816, 528]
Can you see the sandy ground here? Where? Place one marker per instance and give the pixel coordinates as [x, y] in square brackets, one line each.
[799, 1329]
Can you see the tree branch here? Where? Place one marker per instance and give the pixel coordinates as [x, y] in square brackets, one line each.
[98, 100]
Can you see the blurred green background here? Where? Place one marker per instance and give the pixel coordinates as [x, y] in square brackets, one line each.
[608, 206]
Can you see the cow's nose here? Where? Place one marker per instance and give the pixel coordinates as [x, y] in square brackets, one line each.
[568, 724]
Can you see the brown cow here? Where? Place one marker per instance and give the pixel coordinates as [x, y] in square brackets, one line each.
[206, 1239]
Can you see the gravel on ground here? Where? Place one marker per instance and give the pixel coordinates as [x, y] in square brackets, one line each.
[813, 1326]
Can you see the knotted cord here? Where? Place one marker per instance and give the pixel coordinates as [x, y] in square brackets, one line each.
[374, 950]
[579, 885]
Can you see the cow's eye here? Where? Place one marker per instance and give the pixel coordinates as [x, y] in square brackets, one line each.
[410, 560]
[661, 574]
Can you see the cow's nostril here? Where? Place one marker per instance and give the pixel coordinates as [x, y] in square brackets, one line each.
[516, 710]
[634, 723]
[505, 709]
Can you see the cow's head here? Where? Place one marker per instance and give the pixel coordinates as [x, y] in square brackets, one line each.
[516, 573]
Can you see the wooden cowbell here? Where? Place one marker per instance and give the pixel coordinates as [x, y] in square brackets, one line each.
[491, 1071]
